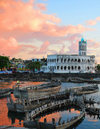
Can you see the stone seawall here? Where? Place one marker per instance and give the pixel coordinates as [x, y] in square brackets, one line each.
[46, 76]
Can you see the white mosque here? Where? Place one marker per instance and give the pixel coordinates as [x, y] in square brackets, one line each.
[63, 63]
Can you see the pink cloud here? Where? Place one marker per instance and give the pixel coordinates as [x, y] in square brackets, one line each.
[44, 46]
[40, 51]
[9, 46]
[54, 30]
[23, 21]
[62, 51]
[41, 6]
[93, 22]
[24, 17]
[74, 43]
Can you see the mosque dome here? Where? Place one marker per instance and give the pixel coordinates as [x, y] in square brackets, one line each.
[82, 39]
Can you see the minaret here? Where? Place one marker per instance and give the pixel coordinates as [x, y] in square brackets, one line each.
[82, 47]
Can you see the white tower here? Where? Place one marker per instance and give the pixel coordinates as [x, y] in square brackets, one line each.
[82, 47]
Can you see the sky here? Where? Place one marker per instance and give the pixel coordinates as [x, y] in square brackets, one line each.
[36, 28]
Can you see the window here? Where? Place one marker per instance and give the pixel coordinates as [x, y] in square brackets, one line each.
[79, 67]
[64, 67]
[79, 60]
[68, 59]
[64, 60]
[71, 60]
[75, 67]
[61, 60]
[75, 60]
[72, 67]
[57, 67]
[61, 67]
[68, 67]
[88, 68]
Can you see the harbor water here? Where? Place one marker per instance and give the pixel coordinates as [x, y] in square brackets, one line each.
[9, 118]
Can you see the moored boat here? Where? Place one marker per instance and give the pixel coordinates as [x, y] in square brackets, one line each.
[38, 90]
[24, 105]
[5, 92]
[82, 80]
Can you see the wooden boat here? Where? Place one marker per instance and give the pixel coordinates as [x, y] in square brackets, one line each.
[5, 92]
[82, 80]
[72, 122]
[38, 90]
[93, 110]
[24, 105]
[88, 89]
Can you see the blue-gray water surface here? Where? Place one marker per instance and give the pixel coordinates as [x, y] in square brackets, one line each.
[89, 122]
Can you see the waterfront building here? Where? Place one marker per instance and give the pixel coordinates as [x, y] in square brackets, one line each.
[63, 63]
[36, 60]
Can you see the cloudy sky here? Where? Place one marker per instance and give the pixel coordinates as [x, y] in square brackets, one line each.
[36, 28]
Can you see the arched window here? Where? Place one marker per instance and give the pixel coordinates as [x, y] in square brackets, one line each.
[79, 67]
[57, 60]
[61, 60]
[57, 67]
[61, 67]
[79, 60]
[75, 60]
[64, 67]
[88, 68]
[68, 59]
[64, 60]
[71, 60]
[68, 67]
[75, 67]
[72, 67]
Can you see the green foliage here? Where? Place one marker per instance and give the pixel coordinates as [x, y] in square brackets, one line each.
[4, 62]
[34, 65]
[98, 67]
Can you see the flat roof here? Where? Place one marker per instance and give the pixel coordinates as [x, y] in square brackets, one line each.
[69, 55]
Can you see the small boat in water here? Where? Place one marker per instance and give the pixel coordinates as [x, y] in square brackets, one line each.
[36, 90]
[88, 89]
[27, 104]
[82, 80]
[5, 92]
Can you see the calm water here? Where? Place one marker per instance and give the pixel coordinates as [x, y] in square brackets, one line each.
[65, 114]
[90, 122]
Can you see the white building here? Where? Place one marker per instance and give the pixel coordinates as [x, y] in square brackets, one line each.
[62, 63]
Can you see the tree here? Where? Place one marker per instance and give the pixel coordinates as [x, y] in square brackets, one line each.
[4, 62]
[34, 65]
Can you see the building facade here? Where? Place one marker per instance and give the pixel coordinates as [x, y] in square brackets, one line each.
[62, 63]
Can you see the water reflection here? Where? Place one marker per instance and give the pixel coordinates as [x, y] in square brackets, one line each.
[7, 118]
[13, 116]
[10, 118]
[65, 114]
